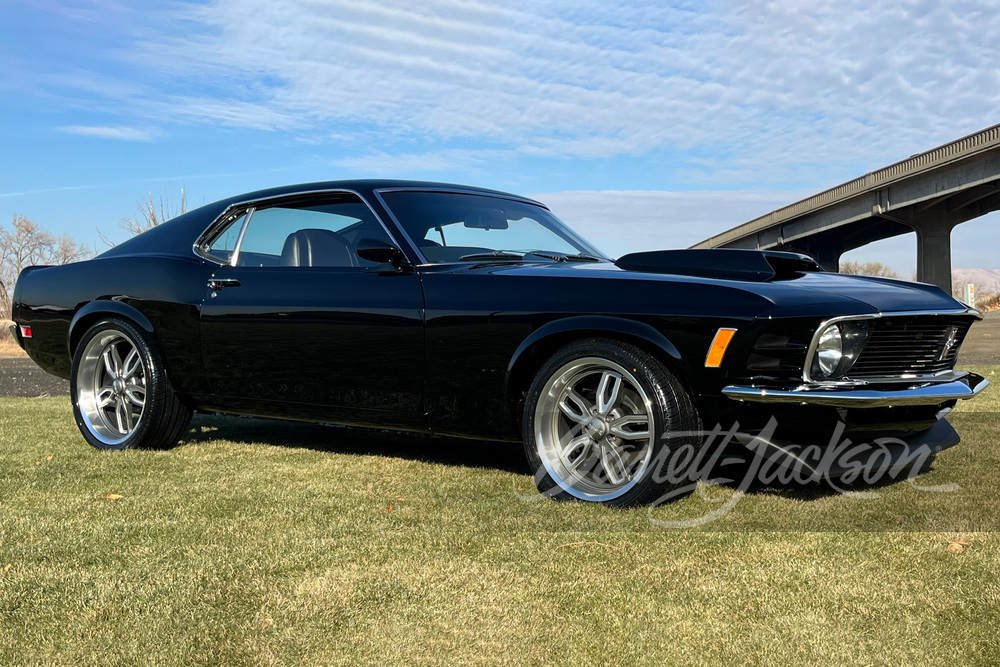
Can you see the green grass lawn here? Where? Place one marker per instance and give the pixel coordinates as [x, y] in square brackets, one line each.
[269, 543]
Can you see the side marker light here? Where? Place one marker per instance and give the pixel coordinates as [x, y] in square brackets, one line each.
[717, 349]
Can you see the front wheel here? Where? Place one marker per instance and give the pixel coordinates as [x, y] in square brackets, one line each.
[599, 419]
[121, 395]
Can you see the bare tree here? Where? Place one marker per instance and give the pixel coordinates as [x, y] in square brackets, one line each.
[149, 215]
[877, 269]
[989, 302]
[26, 243]
[5, 307]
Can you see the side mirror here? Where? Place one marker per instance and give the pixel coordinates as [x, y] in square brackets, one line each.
[380, 252]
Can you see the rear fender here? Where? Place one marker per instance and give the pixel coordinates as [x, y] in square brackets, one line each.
[99, 309]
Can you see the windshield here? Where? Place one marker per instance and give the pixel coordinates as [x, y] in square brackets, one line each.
[452, 227]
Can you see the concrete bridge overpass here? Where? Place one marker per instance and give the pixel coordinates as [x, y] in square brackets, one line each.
[929, 193]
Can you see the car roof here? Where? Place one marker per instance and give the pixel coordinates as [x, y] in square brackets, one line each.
[366, 186]
[177, 235]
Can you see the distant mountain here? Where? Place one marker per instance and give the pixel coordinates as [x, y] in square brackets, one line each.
[983, 279]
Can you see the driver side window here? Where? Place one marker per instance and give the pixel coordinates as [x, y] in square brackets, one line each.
[315, 234]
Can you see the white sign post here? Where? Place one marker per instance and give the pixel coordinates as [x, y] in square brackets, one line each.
[970, 295]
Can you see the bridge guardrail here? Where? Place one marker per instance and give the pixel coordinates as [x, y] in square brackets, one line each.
[936, 157]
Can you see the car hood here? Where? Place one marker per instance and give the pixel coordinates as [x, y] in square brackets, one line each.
[806, 293]
[877, 294]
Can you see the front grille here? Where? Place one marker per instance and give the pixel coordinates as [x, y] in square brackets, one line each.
[910, 345]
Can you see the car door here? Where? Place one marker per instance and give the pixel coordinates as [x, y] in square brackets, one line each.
[296, 324]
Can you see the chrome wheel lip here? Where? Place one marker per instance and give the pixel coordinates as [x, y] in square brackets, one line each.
[547, 419]
[111, 377]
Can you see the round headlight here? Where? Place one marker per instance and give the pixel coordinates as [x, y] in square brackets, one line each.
[830, 350]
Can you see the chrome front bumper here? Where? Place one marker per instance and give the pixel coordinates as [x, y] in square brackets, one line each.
[958, 386]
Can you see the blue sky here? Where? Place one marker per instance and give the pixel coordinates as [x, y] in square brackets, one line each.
[642, 124]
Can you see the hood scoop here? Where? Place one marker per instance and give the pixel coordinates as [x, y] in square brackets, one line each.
[722, 264]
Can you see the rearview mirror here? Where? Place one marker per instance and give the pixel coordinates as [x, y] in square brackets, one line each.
[380, 252]
[486, 220]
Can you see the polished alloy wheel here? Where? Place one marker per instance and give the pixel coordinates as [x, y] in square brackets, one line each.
[593, 429]
[111, 387]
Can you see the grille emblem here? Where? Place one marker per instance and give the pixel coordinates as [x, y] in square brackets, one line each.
[951, 335]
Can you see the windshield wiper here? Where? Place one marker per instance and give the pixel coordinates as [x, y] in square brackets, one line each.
[583, 257]
[496, 254]
[563, 257]
[508, 255]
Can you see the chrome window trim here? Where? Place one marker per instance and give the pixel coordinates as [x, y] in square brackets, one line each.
[814, 343]
[235, 257]
[457, 191]
[222, 218]
[402, 230]
[254, 204]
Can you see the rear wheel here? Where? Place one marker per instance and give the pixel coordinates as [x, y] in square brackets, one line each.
[120, 391]
[598, 419]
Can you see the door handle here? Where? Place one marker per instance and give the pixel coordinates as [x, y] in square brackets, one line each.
[220, 283]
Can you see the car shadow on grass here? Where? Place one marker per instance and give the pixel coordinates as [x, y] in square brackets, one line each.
[467, 453]
[508, 457]
[792, 487]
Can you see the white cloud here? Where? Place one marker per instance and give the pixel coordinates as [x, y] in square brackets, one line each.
[759, 102]
[767, 91]
[106, 132]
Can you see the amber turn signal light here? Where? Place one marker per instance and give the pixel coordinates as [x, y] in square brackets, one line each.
[717, 349]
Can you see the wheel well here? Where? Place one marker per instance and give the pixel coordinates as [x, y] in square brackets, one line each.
[88, 320]
[532, 359]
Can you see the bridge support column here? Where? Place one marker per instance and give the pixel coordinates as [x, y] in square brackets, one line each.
[828, 257]
[934, 252]
[826, 252]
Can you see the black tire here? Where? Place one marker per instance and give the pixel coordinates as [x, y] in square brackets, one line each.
[675, 424]
[162, 418]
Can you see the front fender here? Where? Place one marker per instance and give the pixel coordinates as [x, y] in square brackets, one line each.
[584, 325]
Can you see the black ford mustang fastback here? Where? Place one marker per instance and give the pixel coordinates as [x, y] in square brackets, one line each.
[457, 310]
